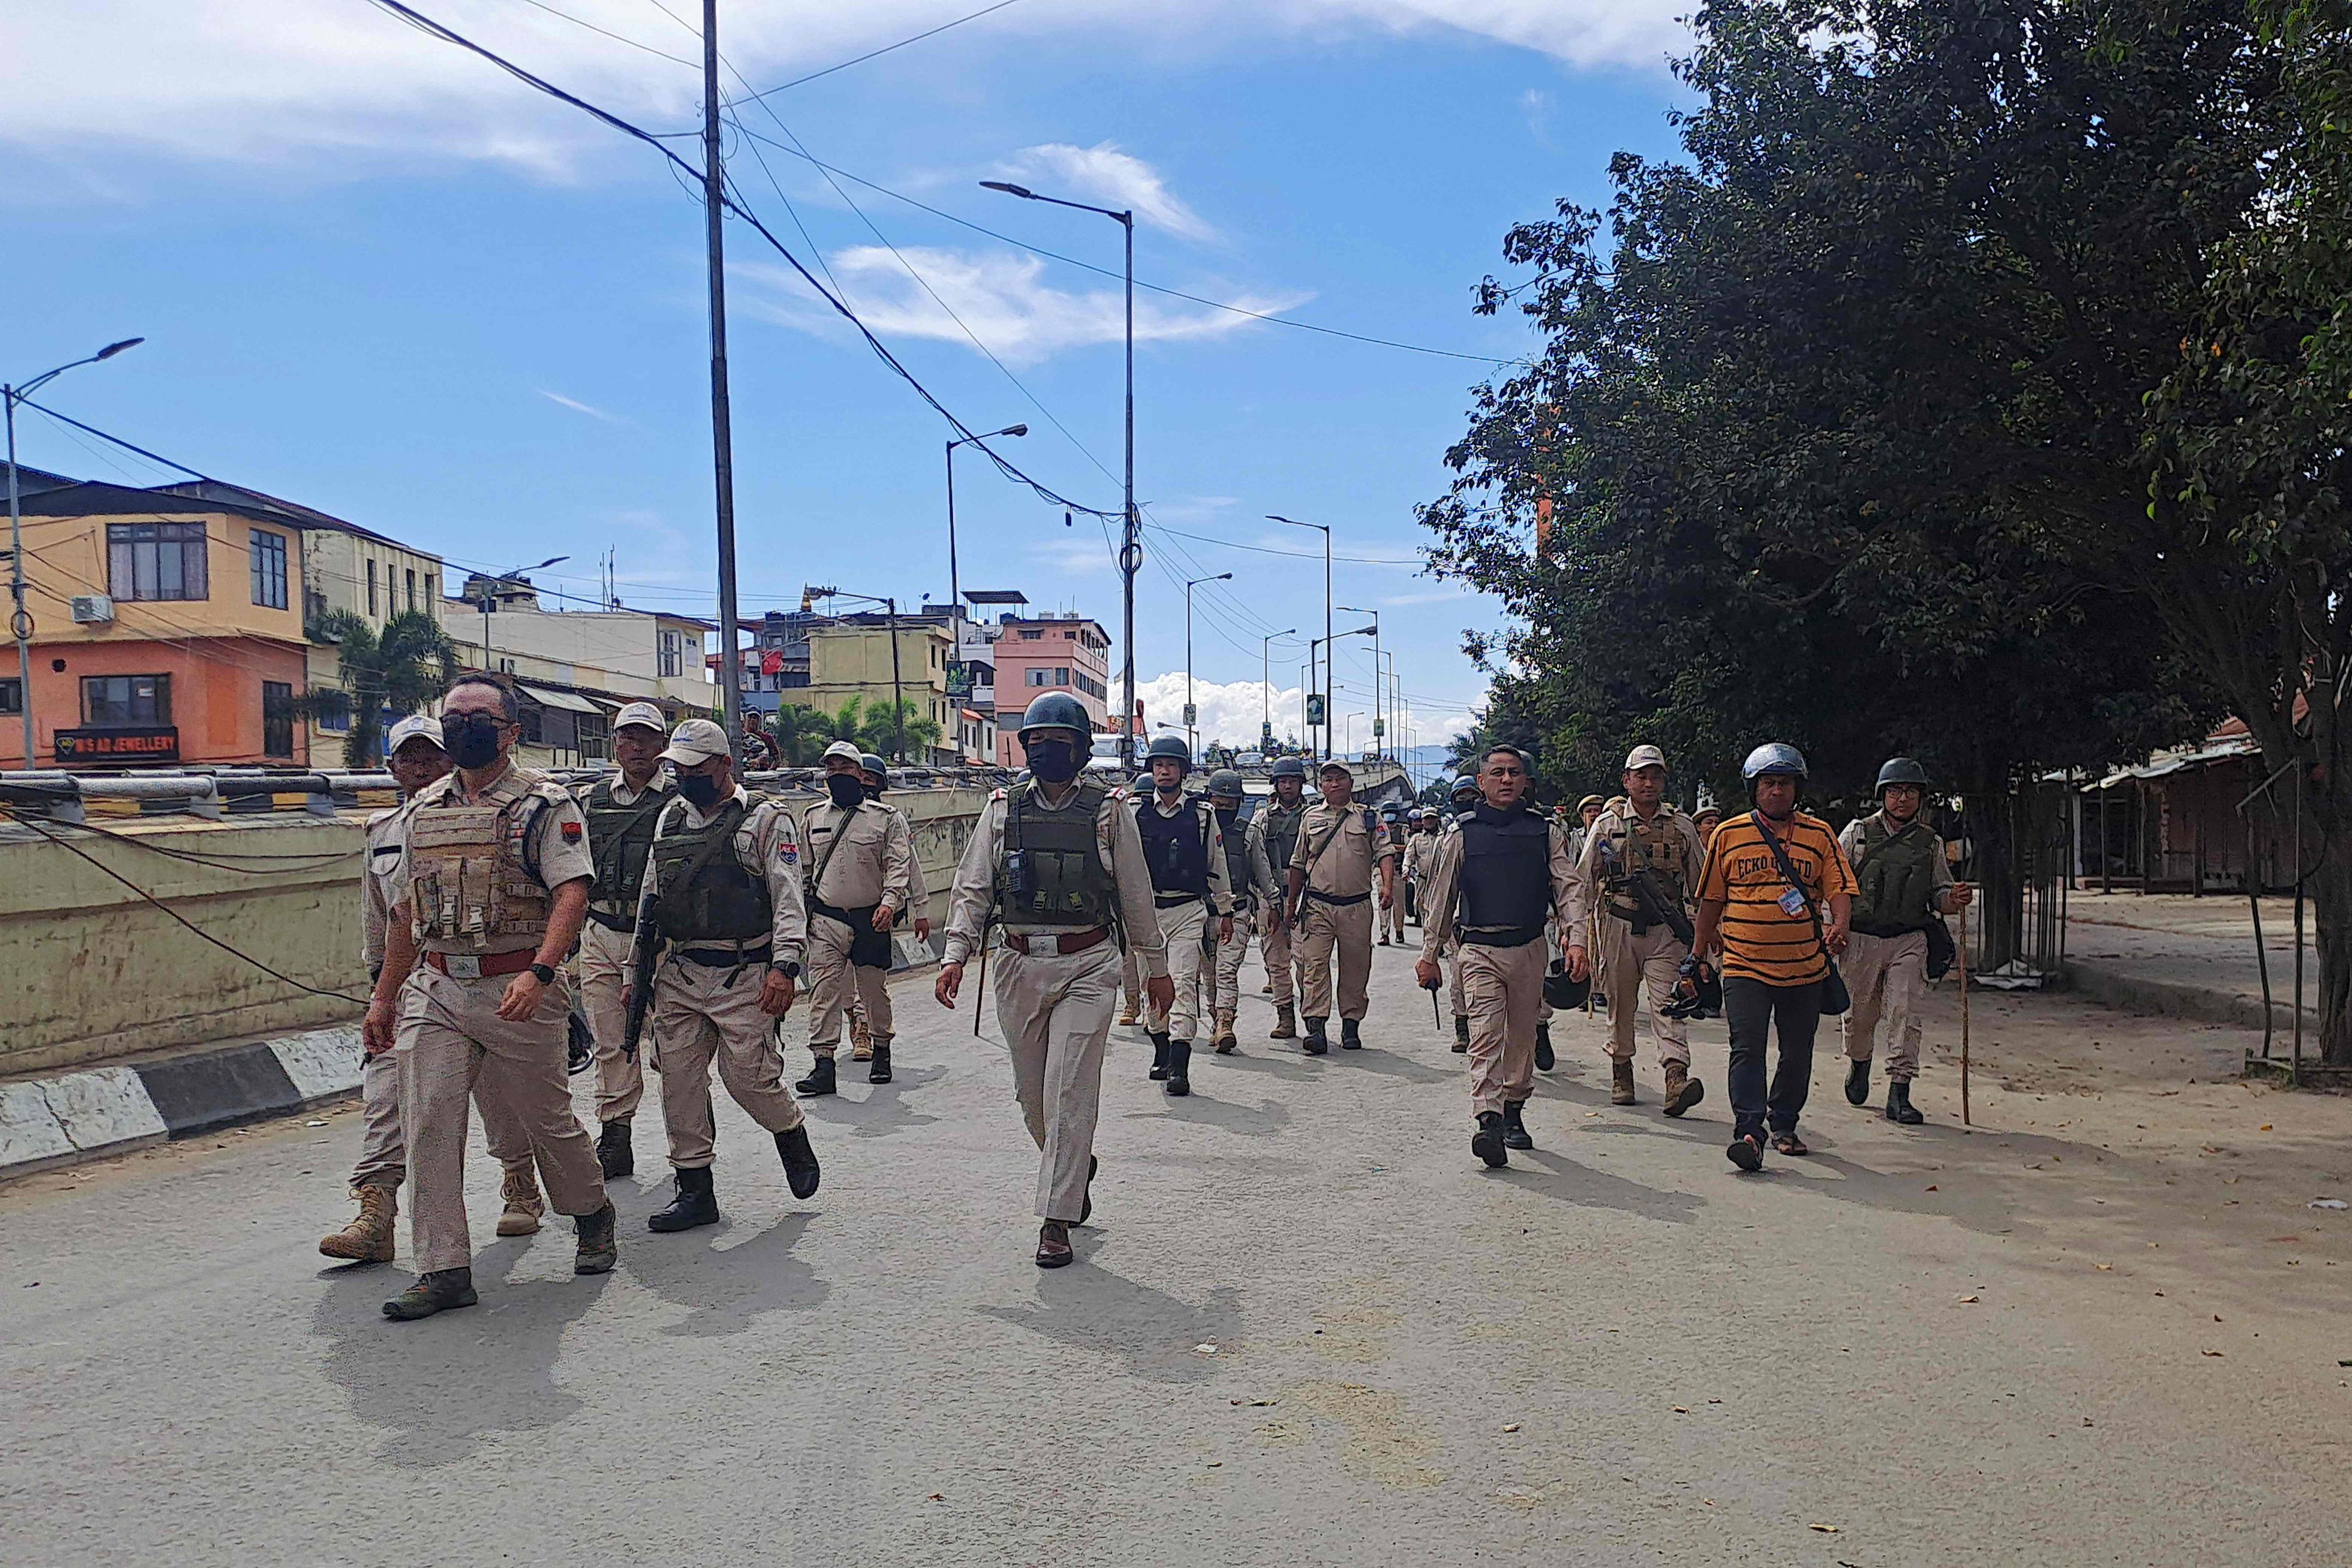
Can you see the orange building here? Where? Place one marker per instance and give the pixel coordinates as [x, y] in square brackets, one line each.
[167, 631]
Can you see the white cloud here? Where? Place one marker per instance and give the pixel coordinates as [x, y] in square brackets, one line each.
[578, 407]
[1430, 596]
[1001, 296]
[1104, 175]
[1229, 709]
[1535, 106]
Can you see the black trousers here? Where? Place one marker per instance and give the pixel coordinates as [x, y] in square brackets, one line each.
[1752, 1009]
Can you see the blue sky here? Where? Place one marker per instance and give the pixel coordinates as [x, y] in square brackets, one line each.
[379, 276]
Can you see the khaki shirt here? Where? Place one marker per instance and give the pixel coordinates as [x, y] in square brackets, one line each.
[766, 846]
[659, 784]
[1121, 846]
[1420, 855]
[874, 863]
[1221, 881]
[1939, 879]
[1606, 839]
[1345, 854]
[557, 850]
[1437, 899]
[385, 844]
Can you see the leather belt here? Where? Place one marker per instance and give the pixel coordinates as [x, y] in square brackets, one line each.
[624, 923]
[480, 965]
[726, 957]
[1170, 900]
[1336, 899]
[1065, 943]
[1510, 936]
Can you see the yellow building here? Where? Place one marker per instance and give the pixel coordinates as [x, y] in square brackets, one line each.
[851, 658]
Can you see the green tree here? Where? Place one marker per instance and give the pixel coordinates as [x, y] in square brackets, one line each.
[399, 669]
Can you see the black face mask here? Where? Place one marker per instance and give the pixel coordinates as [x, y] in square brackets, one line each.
[1053, 761]
[874, 791]
[1226, 815]
[472, 738]
[700, 790]
[846, 789]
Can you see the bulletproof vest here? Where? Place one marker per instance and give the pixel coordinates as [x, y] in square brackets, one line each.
[1051, 871]
[470, 875]
[702, 890]
[619, 836]
[1176, 848]
[1653, 846]
[1238, 876]
[1282, 834]
[1505, 871]
[1896, 871]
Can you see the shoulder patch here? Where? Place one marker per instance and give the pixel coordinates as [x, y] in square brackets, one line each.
[572, 833]
[1000, 794]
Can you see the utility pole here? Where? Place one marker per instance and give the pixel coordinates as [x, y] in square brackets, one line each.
[722, 440]
[898, 692]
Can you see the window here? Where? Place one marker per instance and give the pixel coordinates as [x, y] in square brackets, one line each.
[276, 719]
[1062, 675]
[1036, 678]
[121, 702]
[156, 560]
[339, 723]
[673, 652]
[269, 569]
[12, 695]
[412, 588]
[1031, 635]
[371, 585]
[431, 588]
[595, 735]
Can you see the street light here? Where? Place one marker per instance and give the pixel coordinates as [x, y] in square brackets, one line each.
[1377, 685]
[955, 583]
[1192, 732]
[1266, 682]
[20, 624]
[1276, 518]
[1328, 660]
[489, 592]
[1130, 551]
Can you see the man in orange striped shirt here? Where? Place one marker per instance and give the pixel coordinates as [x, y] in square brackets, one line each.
[1777, 933]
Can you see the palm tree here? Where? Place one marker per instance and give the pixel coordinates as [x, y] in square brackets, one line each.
[400, 669]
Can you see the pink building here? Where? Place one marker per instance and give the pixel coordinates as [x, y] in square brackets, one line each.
[1047, 653]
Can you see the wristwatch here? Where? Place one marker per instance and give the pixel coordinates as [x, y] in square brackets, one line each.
[787, 968]
[545, 974]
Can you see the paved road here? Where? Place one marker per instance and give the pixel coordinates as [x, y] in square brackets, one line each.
[1306, 1329]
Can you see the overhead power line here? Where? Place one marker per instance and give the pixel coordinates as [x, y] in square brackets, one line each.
[886, 48]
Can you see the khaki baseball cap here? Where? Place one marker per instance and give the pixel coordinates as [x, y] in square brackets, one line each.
[697, 740]
[1644, 756]
[843, 749]
[644, 714]
[415, 727]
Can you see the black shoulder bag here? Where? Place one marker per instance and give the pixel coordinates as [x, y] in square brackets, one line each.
[1836, 999]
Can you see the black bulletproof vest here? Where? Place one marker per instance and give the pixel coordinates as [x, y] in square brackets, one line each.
[619, 836]
[1237, 856]
[1506, 873]
[1176, 848]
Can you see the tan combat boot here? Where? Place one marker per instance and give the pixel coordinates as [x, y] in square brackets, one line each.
[1682, 1091]
[523, 1204]
[1127, 1018]
[861, 1039]
[1286, 1022]
[1621, 1080]
[368, 1237]
[1225, 1043]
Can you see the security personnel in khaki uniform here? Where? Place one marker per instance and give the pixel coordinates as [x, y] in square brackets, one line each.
[490, 894]
[1641, 859]
[1906, 881]
[1391, 918]
[1342, 849]
[1420, 850]
[861, 869]
[1056, 863]
[620, 808]
[415, 759]
[1186, 853]
[877, 780]
[1497, 883]
[1464, 797]
[1273, 836]
[720, 924]
[1251, 881]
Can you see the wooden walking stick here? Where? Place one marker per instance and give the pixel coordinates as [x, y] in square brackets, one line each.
[1964, 1015]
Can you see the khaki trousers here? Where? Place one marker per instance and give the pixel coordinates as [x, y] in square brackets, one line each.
[1274, 952]
[1505, 987]
[1888, 977]
[603, 968]
[452, 1047]
[1346, 927]
[1130, 986]
[1226, 1000]
[384, 1152]
[1450, 960]
[699, 1017]
[1181, 924]
[1391, 919]
[830, 979]
[1630, 964]
[1055, 1010]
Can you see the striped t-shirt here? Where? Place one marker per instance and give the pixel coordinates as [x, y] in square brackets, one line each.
[1759, 941]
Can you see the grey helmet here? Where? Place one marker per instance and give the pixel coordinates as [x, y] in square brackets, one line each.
[1773, 757]
[1058, 710]
[1289, 768]
[1901, 770]
[874, 768]
[1170, 747]
[1224, 784]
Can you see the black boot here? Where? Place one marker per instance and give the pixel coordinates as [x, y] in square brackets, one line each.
[1857, 1083]
[695, 1204]
[880, 1071]
[1515, 1131]
[1461, 1033]
[1159, 1057]
[1545, 1059]
[1349, 1038]
[614, 1156]
[1179, 1068]
[819, 1081]
[595, 1248]
[800, 1160]
[1315, 1044]
[1486, 1142]
[436, 1292]
[1898, 1103]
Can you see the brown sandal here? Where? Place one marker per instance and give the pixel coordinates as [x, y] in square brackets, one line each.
[1789, 1143]
[1053, 1245]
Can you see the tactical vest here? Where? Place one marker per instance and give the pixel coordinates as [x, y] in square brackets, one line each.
[702, 890]
[471, 882]
[1176, 848]
[619, 836]
[1654, 846]
[1050, 871]
[1506, 877]
[1239, 878]
[1896, 871]
[1282, 834]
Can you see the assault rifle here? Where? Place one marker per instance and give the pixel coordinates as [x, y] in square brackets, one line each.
[1652, 907]
[641, 985]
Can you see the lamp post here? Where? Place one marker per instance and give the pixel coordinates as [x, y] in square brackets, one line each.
[1266, 682]
[1327, 662]
[1274, 517]
[955, 583]
[1192, 728]
[1130, 550]
[489, 593]
[1379, 686]
[20, 623]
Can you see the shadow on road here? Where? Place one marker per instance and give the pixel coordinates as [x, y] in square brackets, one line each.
[1563, 1178]
[880, 1113]
[1264, 1120]
[727, 1289]
[1151, 1334]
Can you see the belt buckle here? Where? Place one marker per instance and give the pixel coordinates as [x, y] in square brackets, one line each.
[461, 965]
